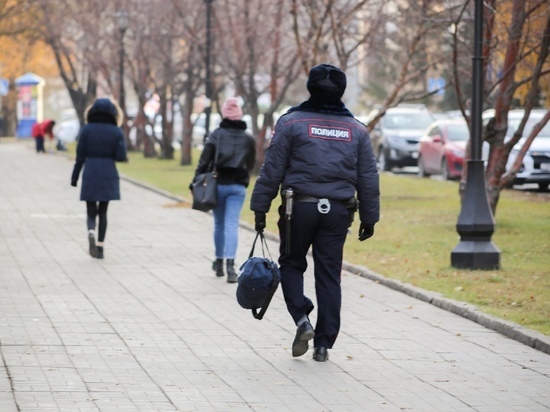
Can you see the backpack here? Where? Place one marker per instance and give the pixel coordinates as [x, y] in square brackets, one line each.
[258, 280]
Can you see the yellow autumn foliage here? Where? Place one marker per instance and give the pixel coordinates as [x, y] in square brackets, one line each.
[21, 51]
[18, 56]
[530, 46]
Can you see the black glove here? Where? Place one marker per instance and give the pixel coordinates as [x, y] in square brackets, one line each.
[191, 186]
[259, 219]
[73, 183]
[365, 231]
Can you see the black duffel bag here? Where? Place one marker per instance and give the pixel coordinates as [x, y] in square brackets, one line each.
[258, 280]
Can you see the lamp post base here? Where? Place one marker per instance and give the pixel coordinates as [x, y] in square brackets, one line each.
[475, 255]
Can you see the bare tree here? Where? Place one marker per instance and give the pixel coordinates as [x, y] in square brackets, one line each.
[515, 55]
[139, 72]
[332, 30]
[74, 36]
[262, 60]
[407, 50]
[191, 66]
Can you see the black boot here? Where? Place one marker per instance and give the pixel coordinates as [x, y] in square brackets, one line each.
[231, 274]
[100, 252]
[217, 266]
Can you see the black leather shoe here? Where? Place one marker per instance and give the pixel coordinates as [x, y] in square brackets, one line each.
[304, 333]
[320, 354]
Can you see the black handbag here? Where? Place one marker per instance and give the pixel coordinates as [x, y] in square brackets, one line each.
[205, 189]
[258, 280]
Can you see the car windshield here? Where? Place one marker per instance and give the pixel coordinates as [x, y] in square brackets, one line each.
[513, 125]
[458, 132]
[407, 120]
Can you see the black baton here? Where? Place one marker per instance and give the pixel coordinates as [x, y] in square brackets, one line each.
[288, 214]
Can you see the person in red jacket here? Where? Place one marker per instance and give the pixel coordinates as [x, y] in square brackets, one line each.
[40, 131]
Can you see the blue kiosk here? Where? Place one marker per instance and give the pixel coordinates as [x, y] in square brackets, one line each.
[29, 103]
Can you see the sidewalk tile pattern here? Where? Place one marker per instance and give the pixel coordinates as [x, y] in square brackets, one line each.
[150, 328]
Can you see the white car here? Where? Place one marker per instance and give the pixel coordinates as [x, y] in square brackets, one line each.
[536, 162]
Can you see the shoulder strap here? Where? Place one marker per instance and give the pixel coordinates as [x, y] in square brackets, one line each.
[272, 289]
[216, 154]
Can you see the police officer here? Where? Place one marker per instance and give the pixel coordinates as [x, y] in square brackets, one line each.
[320, 156]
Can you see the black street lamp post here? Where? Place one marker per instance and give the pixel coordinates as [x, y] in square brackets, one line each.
[476, 223]
[122, 23]
[208, 79]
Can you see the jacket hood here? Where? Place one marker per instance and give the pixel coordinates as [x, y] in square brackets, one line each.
[104, 110]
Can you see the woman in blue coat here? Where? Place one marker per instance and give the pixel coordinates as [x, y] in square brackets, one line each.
[100, 145]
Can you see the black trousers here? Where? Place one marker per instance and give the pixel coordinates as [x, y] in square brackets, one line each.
[326, 234]
[97, 210]
[39, 144]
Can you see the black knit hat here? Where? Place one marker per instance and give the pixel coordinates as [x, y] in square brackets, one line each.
[326, 79]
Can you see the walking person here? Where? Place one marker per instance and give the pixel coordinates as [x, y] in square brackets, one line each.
[100, 145]
[320, 156]
[235, 159]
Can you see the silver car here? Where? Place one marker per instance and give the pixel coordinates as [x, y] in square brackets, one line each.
[396, 135]
[535, 167]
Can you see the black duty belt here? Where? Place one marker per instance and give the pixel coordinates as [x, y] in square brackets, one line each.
[312, 199]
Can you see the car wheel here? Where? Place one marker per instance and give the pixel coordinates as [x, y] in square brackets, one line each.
[445, 170]
[543, 186]
[383, 161]
[421, 168]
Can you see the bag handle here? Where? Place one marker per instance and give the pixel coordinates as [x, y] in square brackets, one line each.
[263, 242]
[259, 315]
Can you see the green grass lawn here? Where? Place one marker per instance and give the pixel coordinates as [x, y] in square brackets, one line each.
[416, 234]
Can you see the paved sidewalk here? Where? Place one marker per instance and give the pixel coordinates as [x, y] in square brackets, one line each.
[150, 328]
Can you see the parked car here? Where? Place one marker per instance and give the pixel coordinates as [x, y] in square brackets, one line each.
[536, 163]
[456, 113]
[396, 135]
[442, 148]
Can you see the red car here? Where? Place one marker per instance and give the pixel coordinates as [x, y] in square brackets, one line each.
[442, 147]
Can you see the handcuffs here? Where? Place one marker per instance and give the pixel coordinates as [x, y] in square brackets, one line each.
[323, 206]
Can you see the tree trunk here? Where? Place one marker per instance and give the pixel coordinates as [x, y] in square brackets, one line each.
[187, 132]
[141, 133]
[497, 158]
[9, 111]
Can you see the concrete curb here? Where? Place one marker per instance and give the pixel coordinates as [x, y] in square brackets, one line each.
[512, 330]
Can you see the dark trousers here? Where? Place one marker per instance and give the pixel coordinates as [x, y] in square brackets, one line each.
[40, 145]
[94, 210]
[326, 234]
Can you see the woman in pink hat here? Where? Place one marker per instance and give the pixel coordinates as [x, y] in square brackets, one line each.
[236, 156]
